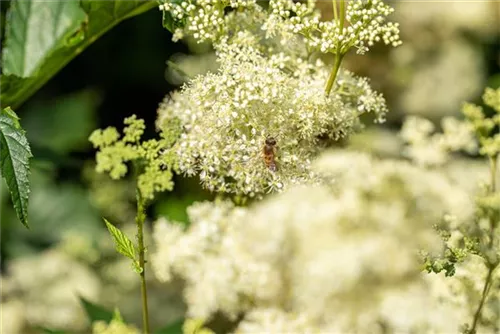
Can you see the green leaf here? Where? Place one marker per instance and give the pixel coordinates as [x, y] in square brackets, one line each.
[123, 244]
[172, 328]
[43, 36]
[51, 331]
[96, 312]
[34, 29]
[14, 162]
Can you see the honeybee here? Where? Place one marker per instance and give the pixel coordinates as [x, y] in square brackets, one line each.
[269, 154]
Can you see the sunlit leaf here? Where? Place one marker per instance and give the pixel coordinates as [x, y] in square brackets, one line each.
[14, 162]
[34, 29]
[43, 36]
[123, 244]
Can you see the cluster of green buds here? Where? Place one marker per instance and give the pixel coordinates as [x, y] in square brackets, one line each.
[148, 156]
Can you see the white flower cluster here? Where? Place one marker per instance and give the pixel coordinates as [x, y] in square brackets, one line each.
[227, 116]
[365, 25]
[427, 148]
[219, 275]
[335, 258]
[47, 288]
[203, 19]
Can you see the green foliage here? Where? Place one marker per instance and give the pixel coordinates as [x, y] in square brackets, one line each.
[96, 312]
[195, 326]
[123, 244]
[484, 126]
[14, 161]
[172, 328]
[42, 37]
[28, 21]
[62, 125]
[51, 331]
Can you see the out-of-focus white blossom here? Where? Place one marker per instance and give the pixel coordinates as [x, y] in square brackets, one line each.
[477, 17]
[12, 320]
[275, 320]
[78, 246]
[427, 148]
[341, 257]
[436, 85]
[49, 287]
[378, 141]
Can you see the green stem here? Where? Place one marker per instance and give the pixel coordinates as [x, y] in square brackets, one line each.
[493, 172]
[140, 218]
[491, 266]
[333, 73]
[486, 288]
[335, 13]
[342, 15]
[339, 55]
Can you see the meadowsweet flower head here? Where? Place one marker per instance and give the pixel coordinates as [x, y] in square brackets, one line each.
[300, 260]
[275, 320]
[365, 22]
[47, 287]
[227, 117]
[202, 19]
[427, 148]
[365, 25]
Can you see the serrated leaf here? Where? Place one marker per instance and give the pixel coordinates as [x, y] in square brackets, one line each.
[43, 36]
[172, 328]
[95, 312]
[14, 162]
[123, 244]
[34, 29]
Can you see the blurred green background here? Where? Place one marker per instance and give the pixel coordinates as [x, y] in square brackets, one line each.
[449, 55]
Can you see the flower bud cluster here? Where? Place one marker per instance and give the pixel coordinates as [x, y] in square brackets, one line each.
[365, 25]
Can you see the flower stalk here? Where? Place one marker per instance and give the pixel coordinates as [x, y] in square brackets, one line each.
[339, 55]
[140, 218]
[491, 265]
[333, 73]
